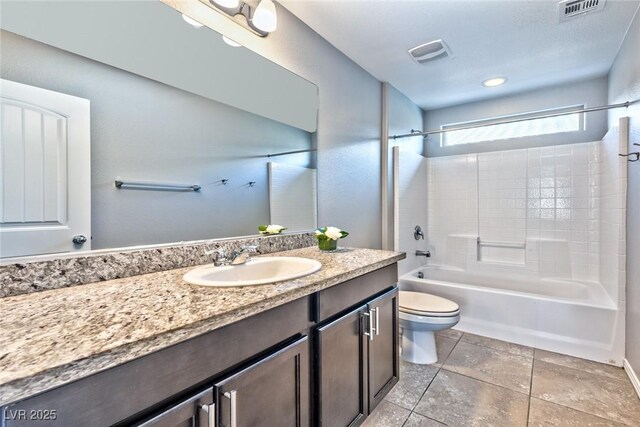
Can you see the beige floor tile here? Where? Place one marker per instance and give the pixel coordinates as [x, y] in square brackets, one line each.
[444, 346]
[450, 333]
[490, 365]
[582, 364]
[387, 414]
[599, 395]
[414, 380]
[416, 420]
[458, 400]
[547, 414]
[517, 349]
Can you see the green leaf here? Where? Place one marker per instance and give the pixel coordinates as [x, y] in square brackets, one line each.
[262, 227]
[344, 234]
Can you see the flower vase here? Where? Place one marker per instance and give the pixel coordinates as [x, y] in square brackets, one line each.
[328, 245]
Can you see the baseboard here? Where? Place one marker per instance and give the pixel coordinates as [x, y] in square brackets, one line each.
[632, 376]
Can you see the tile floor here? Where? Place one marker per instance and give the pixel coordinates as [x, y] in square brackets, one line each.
[480, 381]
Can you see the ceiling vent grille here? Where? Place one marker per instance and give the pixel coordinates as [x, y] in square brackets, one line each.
[430, 51]
[572, 8]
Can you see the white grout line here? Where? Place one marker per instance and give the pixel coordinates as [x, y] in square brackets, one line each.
[635, 381]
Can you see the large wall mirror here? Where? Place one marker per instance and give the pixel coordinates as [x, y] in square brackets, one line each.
[189, 137]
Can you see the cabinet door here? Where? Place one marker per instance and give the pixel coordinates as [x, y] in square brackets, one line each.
[341, 371]
[197, 411]
[272, 392]
[384, 350]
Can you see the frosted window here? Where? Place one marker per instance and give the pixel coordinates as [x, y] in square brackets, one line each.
[533, 127]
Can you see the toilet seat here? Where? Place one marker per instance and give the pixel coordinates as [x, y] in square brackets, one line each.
[419, 304]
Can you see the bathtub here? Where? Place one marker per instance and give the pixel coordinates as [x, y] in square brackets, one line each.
[560, 315]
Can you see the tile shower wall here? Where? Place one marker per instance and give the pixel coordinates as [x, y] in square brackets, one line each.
[502, 199]
[612, 212]
[562, 199]
[410, 176]
[564, 204]
[293, 186]
[452, 207]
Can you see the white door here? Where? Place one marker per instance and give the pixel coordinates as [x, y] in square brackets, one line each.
[45, 181]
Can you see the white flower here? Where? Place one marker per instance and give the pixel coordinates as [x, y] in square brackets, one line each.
[274, 229]
[333, 233]
[319, 233]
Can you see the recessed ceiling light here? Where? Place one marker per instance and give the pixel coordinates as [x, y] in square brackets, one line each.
[494, 81]
[230, 42]
[192, 21]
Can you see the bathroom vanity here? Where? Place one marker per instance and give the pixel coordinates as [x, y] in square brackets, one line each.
[152, 350]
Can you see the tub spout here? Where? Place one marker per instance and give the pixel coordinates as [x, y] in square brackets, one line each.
[425, 254]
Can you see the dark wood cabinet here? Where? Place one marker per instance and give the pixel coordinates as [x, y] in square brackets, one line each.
[341, 370]
[357, 361]
[191, 412]
[259, 371]
[384, 350]
[271, 392]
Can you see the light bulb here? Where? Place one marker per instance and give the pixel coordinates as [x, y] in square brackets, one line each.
[191, 21]
[494, 81]
[265, 18]
[229, 4]
[230, 42]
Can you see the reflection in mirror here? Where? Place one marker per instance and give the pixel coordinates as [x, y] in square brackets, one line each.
[159, 104]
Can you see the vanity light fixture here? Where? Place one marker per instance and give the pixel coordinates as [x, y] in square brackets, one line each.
[192, 21]
[262, 20]
[494, 81]
[229, 4]
[230, 42]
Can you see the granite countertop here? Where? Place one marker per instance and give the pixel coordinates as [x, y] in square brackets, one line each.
[50, 338]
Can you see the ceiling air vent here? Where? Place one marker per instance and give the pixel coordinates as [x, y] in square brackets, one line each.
[571, 8]
[431, 51]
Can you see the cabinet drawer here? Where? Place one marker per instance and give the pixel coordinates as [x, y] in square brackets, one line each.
[151, 381]
[332, 301]
[190, 412]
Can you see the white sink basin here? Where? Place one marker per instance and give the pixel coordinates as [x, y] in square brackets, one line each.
[258, 271]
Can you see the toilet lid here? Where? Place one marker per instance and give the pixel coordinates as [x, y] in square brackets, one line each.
[419, 302]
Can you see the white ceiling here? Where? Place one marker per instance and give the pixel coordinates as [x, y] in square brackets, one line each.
[522, 40]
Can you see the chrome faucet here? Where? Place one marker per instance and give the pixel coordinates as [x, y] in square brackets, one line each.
[417, 233]
[426, 254]
[241, 256]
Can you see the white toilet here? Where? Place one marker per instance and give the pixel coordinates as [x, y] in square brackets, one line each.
[420, 316]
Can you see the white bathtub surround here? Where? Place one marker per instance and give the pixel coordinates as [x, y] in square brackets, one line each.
[564, 316]
[530, 243]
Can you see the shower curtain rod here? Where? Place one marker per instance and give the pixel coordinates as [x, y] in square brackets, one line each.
[504, 122]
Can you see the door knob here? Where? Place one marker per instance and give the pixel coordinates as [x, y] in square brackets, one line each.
[79, 239]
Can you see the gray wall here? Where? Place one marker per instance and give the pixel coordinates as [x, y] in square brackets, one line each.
[591, 93]
[624, 85]
[349, 120]
[148, 131]
[402, 116]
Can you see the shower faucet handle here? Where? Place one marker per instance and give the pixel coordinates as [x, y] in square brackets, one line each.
[417, 233]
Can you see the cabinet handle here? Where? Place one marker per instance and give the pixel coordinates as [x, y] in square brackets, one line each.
[377, 309]
[370, 334]
[211, 414]
[232, 397]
